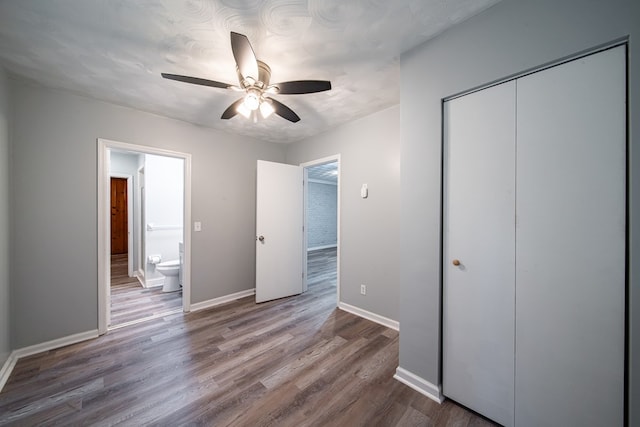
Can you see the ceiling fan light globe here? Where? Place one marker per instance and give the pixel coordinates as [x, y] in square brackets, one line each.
[252, 101]
[242, 109]
[266, 109]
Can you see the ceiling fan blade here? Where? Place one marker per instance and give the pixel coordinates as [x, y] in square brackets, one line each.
[244, 56]
[284, 111]
[232, 110]
[196, 81]
[298, 87]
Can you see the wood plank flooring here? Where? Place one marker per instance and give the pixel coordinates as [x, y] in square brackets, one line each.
[297, 361]
[322, 266]
[130, 301]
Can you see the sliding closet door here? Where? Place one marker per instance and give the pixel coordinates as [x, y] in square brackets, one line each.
[478, 270]
[570, 251]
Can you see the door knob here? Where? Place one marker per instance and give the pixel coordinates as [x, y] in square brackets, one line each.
[456, 262]
[261, 238]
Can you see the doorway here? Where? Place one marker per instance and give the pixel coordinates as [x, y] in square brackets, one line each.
[322, 223]
[128, 290]
[119, 217]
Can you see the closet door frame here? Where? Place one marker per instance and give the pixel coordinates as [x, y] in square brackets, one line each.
[444, 261]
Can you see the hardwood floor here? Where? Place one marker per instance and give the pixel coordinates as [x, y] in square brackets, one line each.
[322, 266]
[297, 361]
[130, 301]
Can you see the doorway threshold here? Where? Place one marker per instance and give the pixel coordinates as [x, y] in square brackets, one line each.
[144, 319]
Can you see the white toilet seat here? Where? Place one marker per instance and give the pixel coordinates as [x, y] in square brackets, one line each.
[169, 264]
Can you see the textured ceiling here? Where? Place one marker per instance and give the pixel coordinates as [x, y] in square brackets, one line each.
[115, 50]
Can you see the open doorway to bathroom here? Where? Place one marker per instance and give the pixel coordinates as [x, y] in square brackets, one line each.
[322, 219]
[143, 216]
[138, 287]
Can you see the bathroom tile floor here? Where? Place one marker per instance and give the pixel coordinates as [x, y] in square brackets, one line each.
[130, 301]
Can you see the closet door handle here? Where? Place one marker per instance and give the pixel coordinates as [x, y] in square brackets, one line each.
[456, 262]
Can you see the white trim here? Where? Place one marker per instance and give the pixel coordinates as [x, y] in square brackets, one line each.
[317, 248]
[139, 221]
[419, 384]
[129, 179]
[221, 300]
[305, 229]
[139, 274]
[104, 145]
[384, 321]
[104, 241]
[7, 368]
[328, 159]
[55, 344]
[145, 319]
[154, 283]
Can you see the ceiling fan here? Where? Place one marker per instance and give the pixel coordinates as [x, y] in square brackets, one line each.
[254, 78]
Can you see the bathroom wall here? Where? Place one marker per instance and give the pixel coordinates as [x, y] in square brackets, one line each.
[127, 164]
[54, 159]
[164, 201]
[322, 218]
[5, 330]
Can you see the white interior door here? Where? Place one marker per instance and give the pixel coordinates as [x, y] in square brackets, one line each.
[570, 276]
[478, 256]
[279, 231]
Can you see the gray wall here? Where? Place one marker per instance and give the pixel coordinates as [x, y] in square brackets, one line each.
[369, 234]
[5, 343]
[322, 226]
[54, 197]
[508, 38]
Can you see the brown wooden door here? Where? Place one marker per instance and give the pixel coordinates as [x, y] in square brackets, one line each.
[119, 228]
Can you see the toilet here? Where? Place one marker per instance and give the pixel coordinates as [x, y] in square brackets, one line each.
[171, 271]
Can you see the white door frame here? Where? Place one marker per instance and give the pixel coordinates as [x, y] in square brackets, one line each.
[140, 220]
[129, 179]
[104, 226]
[305, 165]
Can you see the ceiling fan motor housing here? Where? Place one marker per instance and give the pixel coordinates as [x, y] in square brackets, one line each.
[264, 76]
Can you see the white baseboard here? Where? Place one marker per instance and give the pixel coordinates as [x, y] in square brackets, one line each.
[316, 248]
[8, 366]
[419, 384]
[221, 300]
[152, 283]
[384, 321]
[54, 344]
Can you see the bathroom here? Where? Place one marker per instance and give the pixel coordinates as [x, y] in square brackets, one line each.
[153, 209]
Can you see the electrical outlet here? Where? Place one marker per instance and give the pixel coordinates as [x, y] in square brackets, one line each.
[363, 289]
